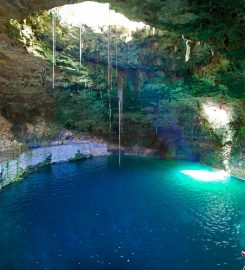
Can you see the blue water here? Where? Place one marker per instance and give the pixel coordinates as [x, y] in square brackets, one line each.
[146, 215]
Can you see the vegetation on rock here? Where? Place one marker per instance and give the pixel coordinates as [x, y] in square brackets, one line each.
[193, 57]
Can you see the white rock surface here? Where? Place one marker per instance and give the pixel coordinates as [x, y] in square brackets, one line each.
[9, 171]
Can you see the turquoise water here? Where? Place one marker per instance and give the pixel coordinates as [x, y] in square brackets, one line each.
[148, 214]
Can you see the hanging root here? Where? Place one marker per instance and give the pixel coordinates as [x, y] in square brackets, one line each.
[109, 68]
[54, 46]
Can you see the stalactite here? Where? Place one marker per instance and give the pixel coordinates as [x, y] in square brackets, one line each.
[188, 48]
[81, 47]
[109, 67]
[54, 45]
[153, 31]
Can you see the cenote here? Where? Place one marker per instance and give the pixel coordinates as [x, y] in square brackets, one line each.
[113, 116]
[147, 214]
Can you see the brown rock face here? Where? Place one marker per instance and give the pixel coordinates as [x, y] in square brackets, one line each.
[23, 95]
[5, 128]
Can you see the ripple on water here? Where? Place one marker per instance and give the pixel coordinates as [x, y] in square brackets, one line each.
[145, 215]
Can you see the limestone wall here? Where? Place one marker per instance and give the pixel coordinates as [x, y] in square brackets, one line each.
[13, 170]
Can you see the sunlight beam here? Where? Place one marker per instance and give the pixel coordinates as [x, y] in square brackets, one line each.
[95, 15]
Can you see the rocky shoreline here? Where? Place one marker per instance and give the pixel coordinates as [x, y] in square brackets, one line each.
[72, 147]
[15, 169]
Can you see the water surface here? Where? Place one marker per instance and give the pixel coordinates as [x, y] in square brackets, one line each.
[145, 215]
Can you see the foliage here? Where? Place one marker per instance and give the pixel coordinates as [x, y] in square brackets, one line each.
[151, 69]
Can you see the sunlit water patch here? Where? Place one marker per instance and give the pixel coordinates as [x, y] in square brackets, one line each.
[146, 215]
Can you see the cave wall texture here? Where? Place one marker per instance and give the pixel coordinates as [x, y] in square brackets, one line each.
[168, 102]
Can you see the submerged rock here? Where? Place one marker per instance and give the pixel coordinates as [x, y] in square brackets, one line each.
[79, 156]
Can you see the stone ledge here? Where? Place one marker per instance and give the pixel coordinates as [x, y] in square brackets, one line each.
[14, 170]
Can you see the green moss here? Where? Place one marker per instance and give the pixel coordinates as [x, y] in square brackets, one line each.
[31, 169]
[156, 75]
[79, 157]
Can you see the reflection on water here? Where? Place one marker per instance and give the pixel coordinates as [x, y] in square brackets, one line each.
[145, 215]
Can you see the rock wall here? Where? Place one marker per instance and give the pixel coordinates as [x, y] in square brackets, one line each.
[203, 130]
[13, 170]
[162, 86]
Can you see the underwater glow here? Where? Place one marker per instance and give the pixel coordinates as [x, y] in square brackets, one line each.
[95, 15]
[206, 176]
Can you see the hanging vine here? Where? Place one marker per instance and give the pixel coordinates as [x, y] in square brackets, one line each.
[109, 67]
[80, 46]
[54, 45]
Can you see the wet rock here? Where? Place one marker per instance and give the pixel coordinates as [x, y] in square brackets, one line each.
[33, 160]
[1, 176]
[67, 135]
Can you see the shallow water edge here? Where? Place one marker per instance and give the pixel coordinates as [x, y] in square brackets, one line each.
[35, 159]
